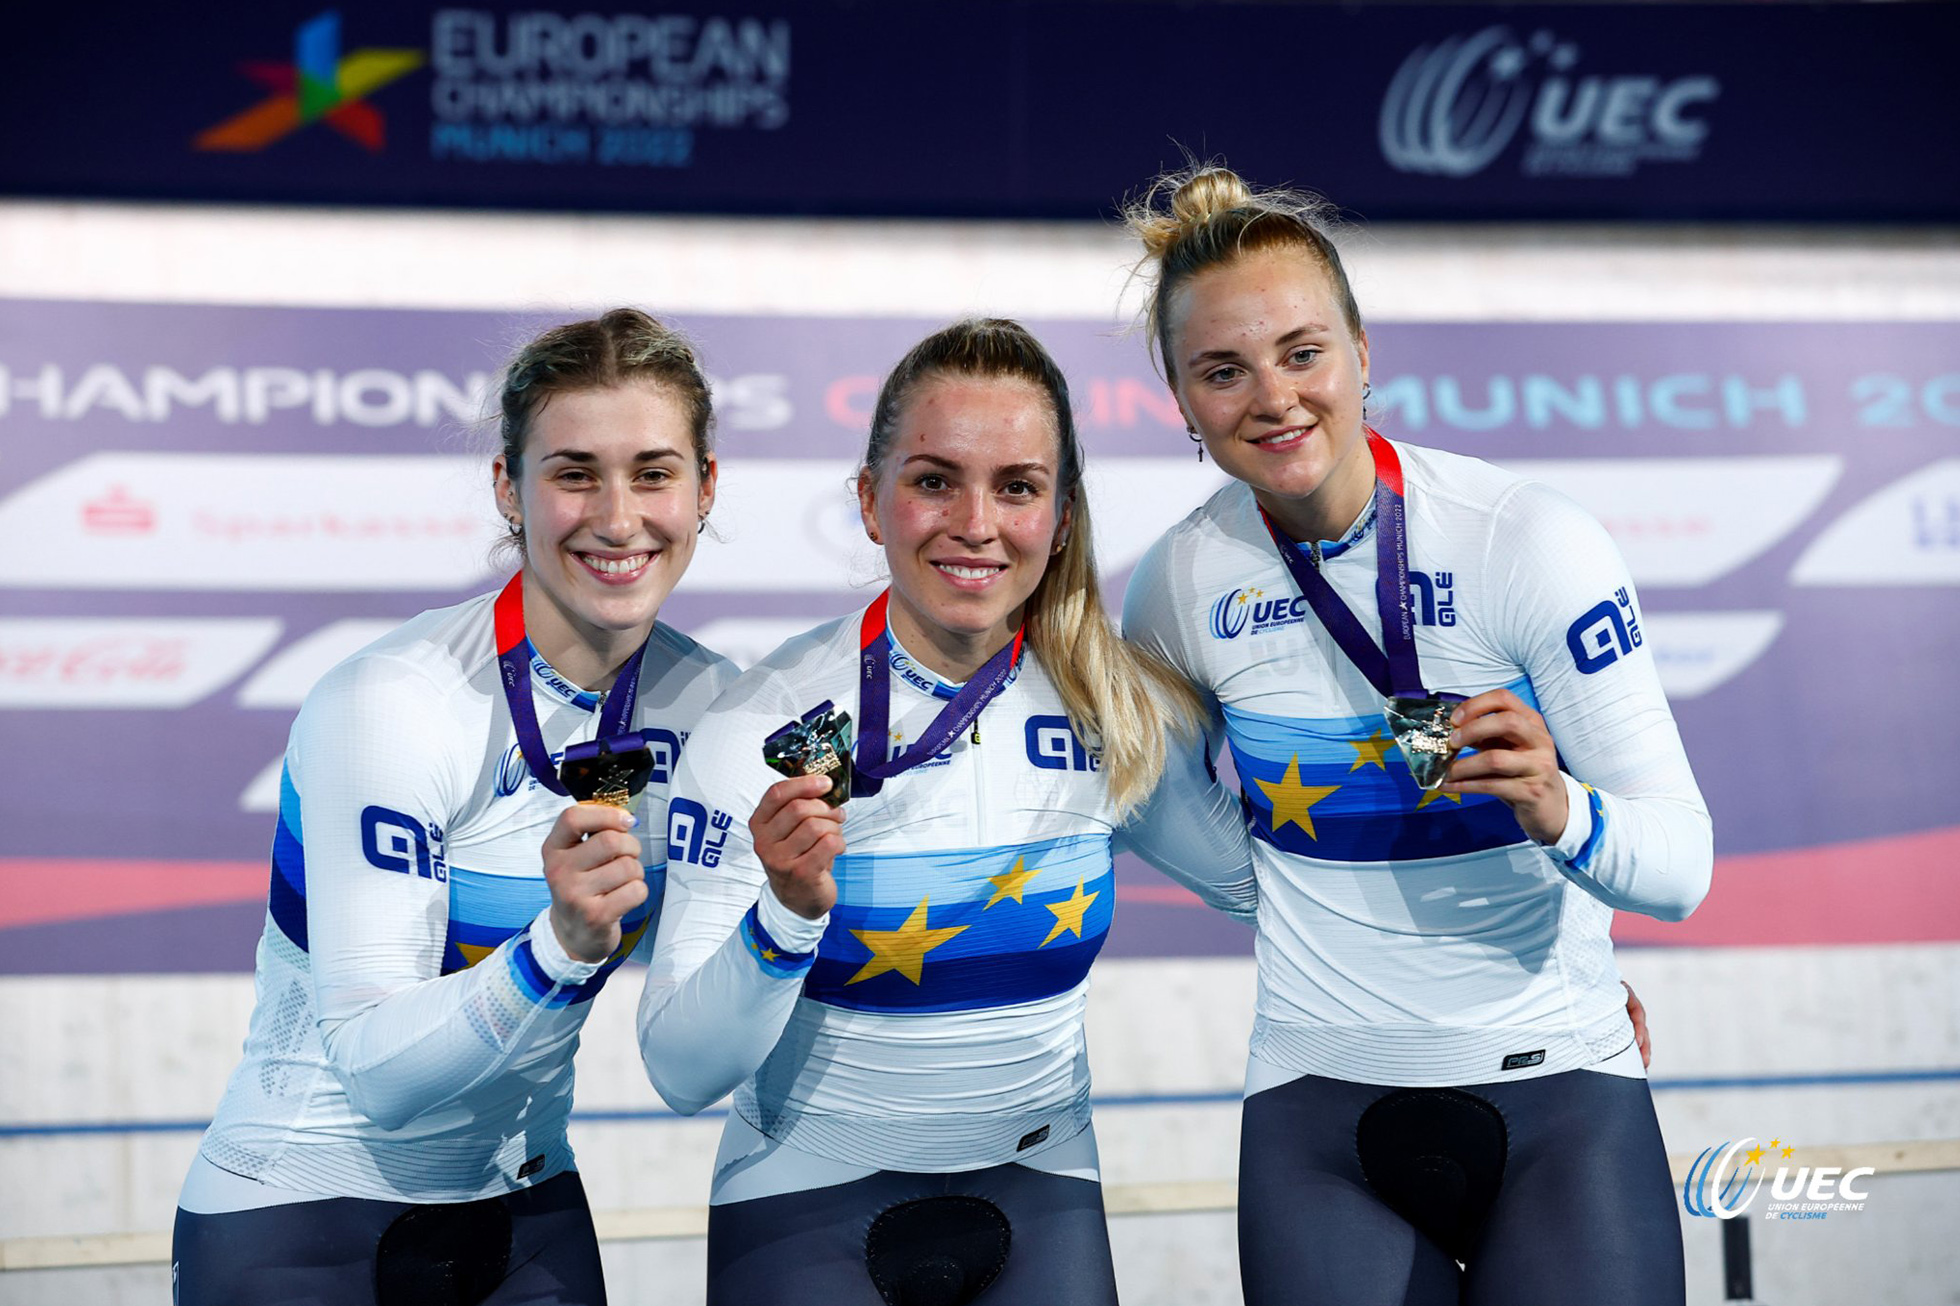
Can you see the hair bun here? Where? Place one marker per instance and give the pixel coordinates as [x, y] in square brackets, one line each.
[1208, 193]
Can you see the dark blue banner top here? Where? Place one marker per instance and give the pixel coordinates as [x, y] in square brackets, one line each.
[999, 109]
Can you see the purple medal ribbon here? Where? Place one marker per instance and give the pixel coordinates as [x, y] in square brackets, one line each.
[1394, 669]
[874, 703]
[514, 654]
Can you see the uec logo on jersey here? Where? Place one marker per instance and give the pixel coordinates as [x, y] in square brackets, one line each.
[1237, 609]
[1601, 634]
[1229, 615]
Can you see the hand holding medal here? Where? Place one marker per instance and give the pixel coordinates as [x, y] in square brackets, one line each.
[1515, 761]
[817, 743]
[591, 858]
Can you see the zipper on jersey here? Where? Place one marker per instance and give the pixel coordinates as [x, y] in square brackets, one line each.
[979, 788]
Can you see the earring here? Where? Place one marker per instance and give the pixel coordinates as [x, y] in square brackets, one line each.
[1196, 439]
[701, 523]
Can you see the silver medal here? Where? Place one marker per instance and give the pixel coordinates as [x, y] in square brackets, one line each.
[1421, 727]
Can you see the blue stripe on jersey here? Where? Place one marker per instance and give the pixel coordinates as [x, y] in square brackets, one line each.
[1583, 862]
[485, 910]
[1338, 789]
[964, 929]
[773, 957]
[286, 897]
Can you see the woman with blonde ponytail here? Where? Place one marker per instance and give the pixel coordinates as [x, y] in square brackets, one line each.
[894, 987]
[1456, 767]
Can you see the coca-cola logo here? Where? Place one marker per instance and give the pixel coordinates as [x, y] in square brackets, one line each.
[56, 662]
[96, 661]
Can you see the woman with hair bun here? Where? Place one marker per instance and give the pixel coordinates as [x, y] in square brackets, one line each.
[1457, 764]
[894, 988]
[442, 912]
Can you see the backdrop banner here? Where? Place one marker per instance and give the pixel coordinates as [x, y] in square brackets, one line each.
[203, 508]
[1836, 112]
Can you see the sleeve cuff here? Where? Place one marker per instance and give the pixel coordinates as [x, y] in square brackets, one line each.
[1584, 819]
[794, 932]
[552, 959]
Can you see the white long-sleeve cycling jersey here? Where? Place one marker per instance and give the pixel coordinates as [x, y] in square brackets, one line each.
[1421, 938]
[932, 1021]
[416, 1018]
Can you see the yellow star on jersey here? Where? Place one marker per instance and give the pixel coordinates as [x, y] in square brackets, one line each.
[1431, 795]
[903, 949]
[1292, 800]
[1009, 884]
[474, 952]
[1775, 1143]
[1069, 913]
[1372, 751]
[1755, 1155]
[1789, 1152]
[768, 954]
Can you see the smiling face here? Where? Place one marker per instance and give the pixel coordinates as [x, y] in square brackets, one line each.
[1270, 375]
[610, 497]
[968, 509]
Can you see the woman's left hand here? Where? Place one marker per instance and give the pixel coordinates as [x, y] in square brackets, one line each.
[1515, 761]
[1638, 1015]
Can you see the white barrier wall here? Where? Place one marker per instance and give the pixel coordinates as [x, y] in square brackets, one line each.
[1821, 1045]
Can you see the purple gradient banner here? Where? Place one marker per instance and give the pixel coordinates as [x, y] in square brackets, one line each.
[201, 508]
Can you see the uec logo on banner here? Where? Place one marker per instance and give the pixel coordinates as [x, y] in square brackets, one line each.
[1724, 1179]
[1453, 107]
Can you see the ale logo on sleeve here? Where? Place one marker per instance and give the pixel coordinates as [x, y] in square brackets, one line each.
[319, 85]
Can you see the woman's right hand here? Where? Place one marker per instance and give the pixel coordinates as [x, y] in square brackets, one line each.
[797, 836]
[592, 866]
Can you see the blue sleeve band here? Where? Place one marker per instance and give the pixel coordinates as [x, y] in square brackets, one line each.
[771, 956]
[1583, 861]
[530, 976]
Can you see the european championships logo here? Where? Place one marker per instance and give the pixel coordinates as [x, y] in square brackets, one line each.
[1725, 1178]
[319, 85]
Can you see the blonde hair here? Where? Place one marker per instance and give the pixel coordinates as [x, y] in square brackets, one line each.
[1109, 688]
[1205, 216]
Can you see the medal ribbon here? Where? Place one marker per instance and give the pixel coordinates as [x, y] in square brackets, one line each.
[1393, 669]
[875, 698]
[514, 654]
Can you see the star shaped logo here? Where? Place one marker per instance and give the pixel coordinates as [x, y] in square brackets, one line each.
[903, 949]
[1069, 913]
[1011, 883]
[1291, 800]
[1372, 751]
[320, 85]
